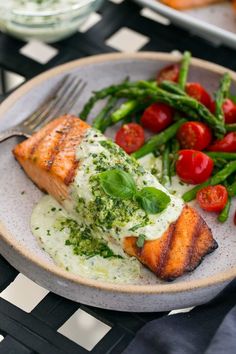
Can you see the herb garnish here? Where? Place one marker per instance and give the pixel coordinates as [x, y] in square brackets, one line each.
[153, 200]
[120, 184]
[83, 242]
[140, 241]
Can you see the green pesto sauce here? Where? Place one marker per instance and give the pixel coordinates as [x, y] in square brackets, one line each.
[103, 212]
[82, 241]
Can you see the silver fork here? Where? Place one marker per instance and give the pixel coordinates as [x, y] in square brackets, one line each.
[59, 102]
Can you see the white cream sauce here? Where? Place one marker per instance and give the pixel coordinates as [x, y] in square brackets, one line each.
[44, 224]
[47, 214]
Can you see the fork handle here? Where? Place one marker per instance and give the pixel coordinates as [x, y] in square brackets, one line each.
[6, 134]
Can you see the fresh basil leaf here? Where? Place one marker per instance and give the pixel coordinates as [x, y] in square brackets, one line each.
[118, 184]
[153, 200]
[140, 240]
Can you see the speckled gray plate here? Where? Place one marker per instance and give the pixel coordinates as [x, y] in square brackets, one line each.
[19, 246]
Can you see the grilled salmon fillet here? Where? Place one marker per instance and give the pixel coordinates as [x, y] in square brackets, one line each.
[48, 158]
[187, 4]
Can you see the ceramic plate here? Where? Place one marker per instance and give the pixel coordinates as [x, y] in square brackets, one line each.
[216, 22]
[19, 195]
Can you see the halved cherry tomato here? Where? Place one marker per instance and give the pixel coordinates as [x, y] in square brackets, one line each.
[170, 73]
[229, 109]
[227, 144]
[157, 117]
[130, 137]
[212, 198]
[193, 166]
[197, 91]
[194, 135]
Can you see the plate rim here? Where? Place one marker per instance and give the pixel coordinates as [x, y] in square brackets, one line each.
[53, 269]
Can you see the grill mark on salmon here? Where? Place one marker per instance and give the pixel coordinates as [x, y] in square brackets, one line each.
[182, 246]
[61, 134]
[165, 248]
[196, 233]
[200, 244]
[38, 139]
[71, 174]
[35, 165]
[48, 142]
[185, 250]
[67, 152]
[183, 242]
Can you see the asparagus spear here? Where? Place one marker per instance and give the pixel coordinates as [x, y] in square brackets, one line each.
[222, 155]
[221, 95]
[184, 68]
[99, 95]
[219, 177]
[145, 84]
[186, 104]
[165, 175]
[158, 140]
[223, 216]
[102, 121]
[125, 109]
[232, 189]
[230, 127]
[172, 87]
[113, 90]
[219, 164]
[174, 151]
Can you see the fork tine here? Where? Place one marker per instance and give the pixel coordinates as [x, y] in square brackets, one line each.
[74, 97]
[46, 102]
[59, 101]
[53, 104]
[70, 99]
[64, 103]
[64, 100]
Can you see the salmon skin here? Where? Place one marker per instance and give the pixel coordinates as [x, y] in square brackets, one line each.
[48, 158]
[188, 4]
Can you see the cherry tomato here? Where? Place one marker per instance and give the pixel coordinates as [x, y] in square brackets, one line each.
[212, 107]
[227, 144]
[157, 117]
[195, 90]
[130, 137]
[212, 198]
[229, 109]
[170, 73]
[194, 135]
[193, 166]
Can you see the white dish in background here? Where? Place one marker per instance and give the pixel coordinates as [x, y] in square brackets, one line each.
[217, 22]
[19, 195]
[47, 21]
